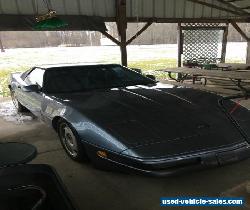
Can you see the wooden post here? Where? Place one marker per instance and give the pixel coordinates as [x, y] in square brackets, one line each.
[243, 34]
[121, 21]
[1, 44]
[248, 52]
[123, 48]
[224, 44]
[180, 44]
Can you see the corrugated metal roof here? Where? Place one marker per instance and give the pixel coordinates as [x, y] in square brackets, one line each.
[181, 8]
[104, 8]
[135, 8]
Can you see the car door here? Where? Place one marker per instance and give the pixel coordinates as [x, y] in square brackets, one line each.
[34, 99]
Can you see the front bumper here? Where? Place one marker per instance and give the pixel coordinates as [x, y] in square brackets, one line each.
[171, 165]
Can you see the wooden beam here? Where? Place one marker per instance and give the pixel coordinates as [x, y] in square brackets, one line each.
[203, 28]
[1, 45]
[234, 0]
[248, 52]
[111, 38]
[224, 44]
[242, 33]
[248, 7]
[233, 6]
[19, 22]
[180, 44]
[121, 21]
[187, 20]
[216, 7]
[27, 22]
[138, 33]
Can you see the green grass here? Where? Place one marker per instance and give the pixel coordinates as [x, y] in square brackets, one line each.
[4, 79]
[149, 66]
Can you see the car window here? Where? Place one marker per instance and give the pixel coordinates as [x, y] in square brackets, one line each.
[24, 74]
[35, 77]
[81, 78]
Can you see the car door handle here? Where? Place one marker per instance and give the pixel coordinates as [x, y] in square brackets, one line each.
[19, 87]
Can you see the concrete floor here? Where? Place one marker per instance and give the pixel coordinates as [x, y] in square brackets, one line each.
[93, 189]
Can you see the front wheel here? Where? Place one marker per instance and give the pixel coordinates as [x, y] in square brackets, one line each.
[20, 108]
[70, 142]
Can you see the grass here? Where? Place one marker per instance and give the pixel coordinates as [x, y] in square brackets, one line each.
[4, 79]
[149, 66]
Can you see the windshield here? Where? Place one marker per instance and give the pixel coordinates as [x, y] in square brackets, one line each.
[81, 78]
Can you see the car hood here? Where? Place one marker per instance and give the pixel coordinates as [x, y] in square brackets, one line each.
[143, 115]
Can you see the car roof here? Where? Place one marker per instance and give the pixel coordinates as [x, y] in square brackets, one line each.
[58, 66]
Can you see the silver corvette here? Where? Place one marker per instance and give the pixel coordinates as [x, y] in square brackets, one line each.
[119, 119]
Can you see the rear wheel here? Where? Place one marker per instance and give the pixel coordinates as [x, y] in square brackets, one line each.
[17, 104]
[70, 141]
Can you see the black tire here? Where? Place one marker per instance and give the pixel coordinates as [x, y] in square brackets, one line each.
[20, 108]
[70, 141]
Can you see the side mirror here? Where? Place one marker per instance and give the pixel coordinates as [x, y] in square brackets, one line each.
[32, 88]
[151, 76]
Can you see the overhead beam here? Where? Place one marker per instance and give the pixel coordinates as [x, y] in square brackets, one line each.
[138, 33]
[75, 22]
[186, 20]
[234, 0]
[216, 7]
[248, 7]
[20, 23]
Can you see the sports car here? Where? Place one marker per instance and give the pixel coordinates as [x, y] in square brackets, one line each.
[120, 119]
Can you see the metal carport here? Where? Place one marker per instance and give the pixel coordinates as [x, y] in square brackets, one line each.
[15, 14]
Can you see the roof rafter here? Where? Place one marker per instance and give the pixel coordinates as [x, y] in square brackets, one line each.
[230, 4]
[248, 7]
[217, 7]
[241, 32]
[234, 0]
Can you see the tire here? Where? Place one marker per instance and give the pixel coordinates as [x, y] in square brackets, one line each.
[20, 108]
[70, 141]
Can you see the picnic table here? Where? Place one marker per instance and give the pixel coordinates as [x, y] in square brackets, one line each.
[236, 76]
